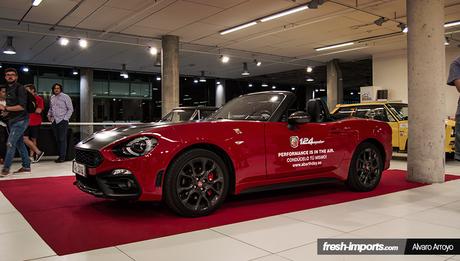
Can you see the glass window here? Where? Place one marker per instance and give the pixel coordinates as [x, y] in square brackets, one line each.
[140, 89]
[376, 112]
[101, 88]
[179, 115]
[71, 86]
[401, 110]
[45, 84]
[119, 88]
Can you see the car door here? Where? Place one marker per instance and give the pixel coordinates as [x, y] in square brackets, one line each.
[309, 148]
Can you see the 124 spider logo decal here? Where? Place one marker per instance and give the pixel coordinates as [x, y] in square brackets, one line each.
[295, 141]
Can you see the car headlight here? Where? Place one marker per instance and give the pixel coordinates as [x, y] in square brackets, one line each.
[136, 147]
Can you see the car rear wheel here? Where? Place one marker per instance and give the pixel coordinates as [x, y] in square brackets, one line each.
[196, 184]
[366, 168]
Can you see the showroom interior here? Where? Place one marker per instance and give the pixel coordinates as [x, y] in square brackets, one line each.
[127, 64]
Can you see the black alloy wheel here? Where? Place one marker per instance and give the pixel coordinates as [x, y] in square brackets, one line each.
[366, 168]
[197, 183]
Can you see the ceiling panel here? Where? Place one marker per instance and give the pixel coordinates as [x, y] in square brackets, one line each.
[219, 3]
[104, 18]
[183, 12]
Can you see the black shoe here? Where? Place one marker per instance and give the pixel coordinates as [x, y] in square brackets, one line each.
[59, 161]
[38, 157]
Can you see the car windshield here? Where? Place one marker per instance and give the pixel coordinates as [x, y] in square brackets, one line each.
[257, 107]
[400, 110]
[178, 115]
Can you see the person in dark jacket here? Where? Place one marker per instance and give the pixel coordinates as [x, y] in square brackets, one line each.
[3, 125]
[18, 120]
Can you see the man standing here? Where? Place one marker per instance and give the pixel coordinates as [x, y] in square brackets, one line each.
[454, 80]
[61, 109]
[18, 120]
[35, 120]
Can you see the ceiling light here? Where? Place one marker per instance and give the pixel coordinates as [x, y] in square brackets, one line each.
[123, 72]
[239, 27]
[158, 60]
[1, 65]
[250, 85]
[195, 81]
[8, 48]
[403, 27]
[293, 89]
[36, 2]
[334, 46]
[450, 24]
[202, 78]
[264, 85]
[218, 83]
[245, 69]
[158, 78]
[351, 93]
[153, 50]
[310, 80]
[63, 41]
[257, 62]
[25, 69]
[322, 90]
[83, 43]
[309, 69]
[315, 3]
[284, 13]
[380, 21]
[273, 87]
[224, 58]
[74, 71]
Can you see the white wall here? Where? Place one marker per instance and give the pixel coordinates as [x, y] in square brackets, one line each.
[390, 72]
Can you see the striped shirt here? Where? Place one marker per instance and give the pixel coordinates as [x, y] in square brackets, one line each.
[61, 108]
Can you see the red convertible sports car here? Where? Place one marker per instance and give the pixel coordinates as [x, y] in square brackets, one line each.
[255, 142]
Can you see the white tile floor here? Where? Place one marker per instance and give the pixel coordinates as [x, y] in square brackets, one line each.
[429, 211]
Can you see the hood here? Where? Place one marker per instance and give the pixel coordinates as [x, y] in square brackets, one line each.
[101, 139]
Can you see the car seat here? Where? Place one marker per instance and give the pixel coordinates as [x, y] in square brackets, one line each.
[317, 110]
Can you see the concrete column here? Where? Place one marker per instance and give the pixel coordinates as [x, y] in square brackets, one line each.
[169, 73]
[334, 84]
[86, 101]
[220, 93]
[426, 81]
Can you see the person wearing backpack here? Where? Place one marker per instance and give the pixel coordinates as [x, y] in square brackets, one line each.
[35, 120]
[61, 109]
[18, 120]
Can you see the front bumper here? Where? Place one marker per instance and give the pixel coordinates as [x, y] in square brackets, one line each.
[111, 186]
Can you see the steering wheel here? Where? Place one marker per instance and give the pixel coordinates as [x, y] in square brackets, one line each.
[264, 114]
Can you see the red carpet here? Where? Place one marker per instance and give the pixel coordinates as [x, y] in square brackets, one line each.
[71, 221]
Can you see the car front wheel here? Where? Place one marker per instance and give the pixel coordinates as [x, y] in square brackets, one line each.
[197, 183]
[365, 168]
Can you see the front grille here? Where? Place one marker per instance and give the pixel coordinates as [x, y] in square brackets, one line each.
[90, 158]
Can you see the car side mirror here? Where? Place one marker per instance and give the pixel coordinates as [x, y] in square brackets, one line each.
[298, 117]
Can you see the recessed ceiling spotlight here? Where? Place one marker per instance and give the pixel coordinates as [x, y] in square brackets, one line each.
[224, 58]
[273, 87]
[403, 27]
[257, 62]
[250, 85]
[8, 48]
[158, 78]
[74, 71]
[218, 83]
[63, 41]
[83, 43]
[25, 69]
[202, 78]
[380, 21]
[310, 80]
[309, 69]
[245, 70]
[293, 89]
[195, 81]
[123, 72]
[153, 50]
[264, 85]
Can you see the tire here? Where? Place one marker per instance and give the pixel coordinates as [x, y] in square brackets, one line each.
[196, 184]
[366, 168]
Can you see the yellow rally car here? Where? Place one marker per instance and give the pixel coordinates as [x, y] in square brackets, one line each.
[395, 114]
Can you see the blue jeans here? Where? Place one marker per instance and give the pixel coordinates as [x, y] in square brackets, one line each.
[60, 132]
[16, 140]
